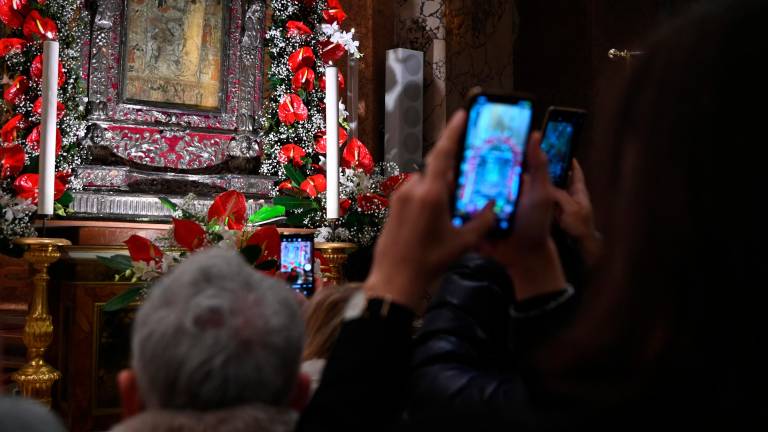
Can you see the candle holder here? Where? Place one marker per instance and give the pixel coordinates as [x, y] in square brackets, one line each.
[335, 255]
[36, 377]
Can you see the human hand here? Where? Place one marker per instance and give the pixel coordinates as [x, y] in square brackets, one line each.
[575, 216]
[418, 241]
[529, 253]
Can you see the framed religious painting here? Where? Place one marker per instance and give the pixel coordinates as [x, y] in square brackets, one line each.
[174, 85]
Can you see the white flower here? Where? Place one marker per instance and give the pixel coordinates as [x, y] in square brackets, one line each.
[342, 234]
[342, 111]
[323, 234]
[8, 214]
[330, 29]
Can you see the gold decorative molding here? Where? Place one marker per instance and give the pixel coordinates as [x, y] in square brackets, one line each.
[36, 377]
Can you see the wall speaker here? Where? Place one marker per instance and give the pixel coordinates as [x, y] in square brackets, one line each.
[404, 104]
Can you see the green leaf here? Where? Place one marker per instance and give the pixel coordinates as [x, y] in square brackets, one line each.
[120, 263]
[266, 213]
[252, 253]
[167, 203]
[59, 210]
[66, 199]
[123, 299]
[292, 203]
[294, 174]
[295, 220]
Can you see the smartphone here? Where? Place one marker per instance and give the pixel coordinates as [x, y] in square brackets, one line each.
[297, 262]
[562, 132]
[492, 156]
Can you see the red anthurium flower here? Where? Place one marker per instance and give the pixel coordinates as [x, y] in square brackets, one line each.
[36, 70]
[12, 160]
[142, 249]
[291, 153]
[297, 28]
[268, 238]
[357, 156]
[33, 140]
[16, 90]
[9, 45]
[371, 203]
[26, 187]
[314, 185]
[302, 57]
[37, 26]
[229, 206]
[320, 144]
[37, 108]
[331, 52]
[393, 183]
[344, 206]
[285, 186]
[12, 12]
[11, 128]
[188, 234]
[292, 109]
[63, 176]
[304, 78]
[334, 13]
[341, 82]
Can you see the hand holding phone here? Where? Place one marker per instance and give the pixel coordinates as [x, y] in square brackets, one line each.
[562, 133]
[491, 158]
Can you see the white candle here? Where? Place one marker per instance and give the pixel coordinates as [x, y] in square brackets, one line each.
[332, 140]
[48, 128]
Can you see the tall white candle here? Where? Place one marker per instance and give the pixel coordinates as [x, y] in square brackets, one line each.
[332, 140]
[48, 128]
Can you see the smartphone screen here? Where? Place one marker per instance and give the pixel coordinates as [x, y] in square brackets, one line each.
[297, 261]
[491, 163]
[561, 130]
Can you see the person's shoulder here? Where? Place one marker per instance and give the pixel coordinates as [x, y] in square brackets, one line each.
[23, 414]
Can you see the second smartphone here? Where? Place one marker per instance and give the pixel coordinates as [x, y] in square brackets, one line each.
[562, 133]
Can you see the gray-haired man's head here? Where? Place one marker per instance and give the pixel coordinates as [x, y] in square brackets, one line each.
[215, 333]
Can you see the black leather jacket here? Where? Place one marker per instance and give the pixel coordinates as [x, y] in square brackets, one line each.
[468, 368]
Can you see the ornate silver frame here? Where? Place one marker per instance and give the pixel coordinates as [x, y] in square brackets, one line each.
[149, 134]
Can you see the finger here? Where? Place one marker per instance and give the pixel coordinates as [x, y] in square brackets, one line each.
[563, 200]
[441, 160]
[538, 166]
[578, 186]
[474, 231]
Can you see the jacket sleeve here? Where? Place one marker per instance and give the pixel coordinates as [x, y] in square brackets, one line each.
[465, 364]
[365, 378]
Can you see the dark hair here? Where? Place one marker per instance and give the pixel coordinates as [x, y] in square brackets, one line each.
[676, 174]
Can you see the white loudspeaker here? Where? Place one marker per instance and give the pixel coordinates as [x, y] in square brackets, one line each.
[404, 104]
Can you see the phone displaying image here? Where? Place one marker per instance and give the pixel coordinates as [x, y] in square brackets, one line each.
[491, 160]
[562, 131]
[297, 261]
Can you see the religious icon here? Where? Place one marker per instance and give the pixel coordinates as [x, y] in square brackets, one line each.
[173, 53]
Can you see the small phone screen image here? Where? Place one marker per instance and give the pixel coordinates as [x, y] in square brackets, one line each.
[297, 263]
[492, 163]
[557, 141]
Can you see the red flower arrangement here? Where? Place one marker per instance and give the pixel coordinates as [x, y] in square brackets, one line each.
[224, 225]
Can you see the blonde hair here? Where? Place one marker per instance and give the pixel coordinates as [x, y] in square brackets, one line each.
[325, 315]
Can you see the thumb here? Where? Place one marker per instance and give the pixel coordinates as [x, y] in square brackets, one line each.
[476, 229]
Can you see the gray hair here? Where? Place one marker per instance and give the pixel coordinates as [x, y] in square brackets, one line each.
[215, 333]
